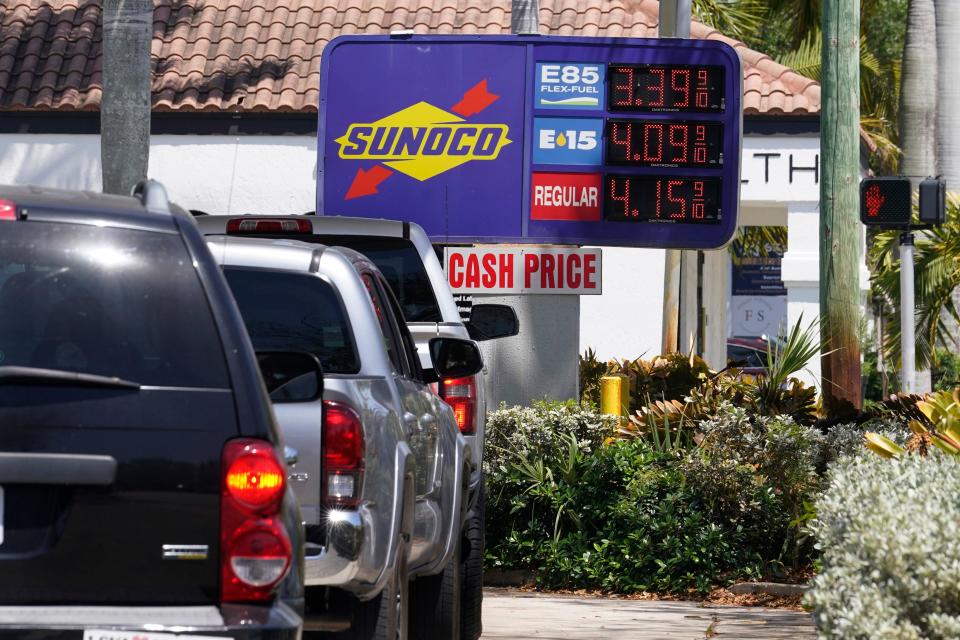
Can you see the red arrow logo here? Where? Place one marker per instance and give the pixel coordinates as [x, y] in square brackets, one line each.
[875, 200]
[365, 183]
[475, 100]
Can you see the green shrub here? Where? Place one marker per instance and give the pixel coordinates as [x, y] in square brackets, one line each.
[591, 370]
[619, 520]
[759, 474]
[891, 565]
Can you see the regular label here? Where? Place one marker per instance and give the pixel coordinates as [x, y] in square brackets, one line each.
[569, 85]
[565, 196]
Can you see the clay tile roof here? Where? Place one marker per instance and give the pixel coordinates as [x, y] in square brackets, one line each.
[264, 55]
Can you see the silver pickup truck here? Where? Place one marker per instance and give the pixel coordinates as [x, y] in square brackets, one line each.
[381, 469]
[407, 259]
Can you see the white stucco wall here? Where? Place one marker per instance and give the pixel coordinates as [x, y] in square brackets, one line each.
[216, 174]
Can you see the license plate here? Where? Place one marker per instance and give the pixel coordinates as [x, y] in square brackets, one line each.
[106, 634]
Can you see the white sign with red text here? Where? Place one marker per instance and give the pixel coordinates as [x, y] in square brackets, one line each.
[502, 270]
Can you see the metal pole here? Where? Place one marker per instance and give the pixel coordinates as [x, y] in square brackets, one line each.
[674, 23]
[525, 17]
[675, 18]
[907, 336]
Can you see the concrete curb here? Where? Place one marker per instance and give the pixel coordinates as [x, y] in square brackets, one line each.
[769, 588]
[508, 578]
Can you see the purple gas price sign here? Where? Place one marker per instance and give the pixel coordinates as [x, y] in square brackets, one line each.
[533, 140]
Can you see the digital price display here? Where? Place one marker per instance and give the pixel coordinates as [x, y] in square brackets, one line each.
[657, 143]
[660, 199]
[657, 88]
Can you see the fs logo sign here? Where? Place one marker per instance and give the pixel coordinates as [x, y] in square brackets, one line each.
[422, 141]
[568, 141]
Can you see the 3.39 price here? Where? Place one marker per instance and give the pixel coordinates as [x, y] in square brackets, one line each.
[666, 88]
[661, 199]
[652, 143]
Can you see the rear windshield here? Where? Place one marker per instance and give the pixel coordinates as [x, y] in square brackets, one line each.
[403, 268]
[294, 312]
[106, 301]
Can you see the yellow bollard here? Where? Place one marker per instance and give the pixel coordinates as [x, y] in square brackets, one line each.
[615, 395]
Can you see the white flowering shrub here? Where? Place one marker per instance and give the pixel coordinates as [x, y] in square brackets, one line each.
[889, 533]
[542, 431]
[847, 439]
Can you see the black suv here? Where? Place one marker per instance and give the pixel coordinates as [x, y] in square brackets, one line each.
[142, 483]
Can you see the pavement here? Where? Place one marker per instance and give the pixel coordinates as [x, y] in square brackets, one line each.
[516, 615]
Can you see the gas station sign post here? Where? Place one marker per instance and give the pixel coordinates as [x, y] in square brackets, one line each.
[533, 140]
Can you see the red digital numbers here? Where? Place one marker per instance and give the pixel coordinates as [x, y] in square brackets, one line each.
[662, 143]
[657, 199]
[666, 88]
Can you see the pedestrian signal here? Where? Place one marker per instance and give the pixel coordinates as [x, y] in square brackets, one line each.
[885, 202]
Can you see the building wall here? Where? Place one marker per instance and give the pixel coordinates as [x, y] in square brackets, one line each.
[216, 174]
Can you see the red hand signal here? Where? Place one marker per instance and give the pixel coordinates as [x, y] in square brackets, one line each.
[875, 200]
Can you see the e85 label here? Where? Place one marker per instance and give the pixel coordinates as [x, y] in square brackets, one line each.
[569, 85]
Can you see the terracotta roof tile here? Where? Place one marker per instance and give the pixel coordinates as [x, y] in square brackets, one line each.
[259, 55]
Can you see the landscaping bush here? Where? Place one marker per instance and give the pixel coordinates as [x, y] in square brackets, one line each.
[758, 474]
[891, 565]
[634, 515]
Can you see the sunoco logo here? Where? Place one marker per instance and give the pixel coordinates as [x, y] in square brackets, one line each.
[422, 141]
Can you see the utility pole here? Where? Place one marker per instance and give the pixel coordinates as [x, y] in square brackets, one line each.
[840, 233]
[125, 107]
[674, 23]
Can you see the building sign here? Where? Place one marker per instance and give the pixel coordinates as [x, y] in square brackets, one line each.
[758, 301]
[532, 140]
[500, 270]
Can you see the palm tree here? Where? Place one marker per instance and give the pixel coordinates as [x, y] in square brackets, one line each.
[937, 274]
[948, 91]
[125, 107]
[918, 122]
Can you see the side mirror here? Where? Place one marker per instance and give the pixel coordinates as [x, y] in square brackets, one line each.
[291, 376]
[454, 358]
[491, 321]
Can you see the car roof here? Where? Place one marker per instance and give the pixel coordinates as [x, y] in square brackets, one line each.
[86, 207]
[274, 253]
[323, 225]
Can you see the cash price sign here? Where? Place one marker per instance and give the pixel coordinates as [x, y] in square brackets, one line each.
[534, 140]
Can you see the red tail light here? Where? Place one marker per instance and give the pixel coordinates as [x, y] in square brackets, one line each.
[343, 447]
[8, 210]
[255, 552]
[269, 225]
[461, 394]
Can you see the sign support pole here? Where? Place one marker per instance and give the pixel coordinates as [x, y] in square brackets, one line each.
[674, 23]
[907, 329]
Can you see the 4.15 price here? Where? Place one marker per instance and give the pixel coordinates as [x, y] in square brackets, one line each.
[661, 199]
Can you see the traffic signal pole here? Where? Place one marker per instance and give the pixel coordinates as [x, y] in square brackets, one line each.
[908, 339]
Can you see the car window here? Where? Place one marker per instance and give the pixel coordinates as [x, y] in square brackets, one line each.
[402, 268]
[409, 346]
[106, 301]
[295, 312]
[391, 340]
[746, 357]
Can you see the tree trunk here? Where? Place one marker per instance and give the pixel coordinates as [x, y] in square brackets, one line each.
[948, 91]
[918, 113]
[840, 242]
[125, 107]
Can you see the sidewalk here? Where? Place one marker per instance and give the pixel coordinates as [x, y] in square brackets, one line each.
[515, 615]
